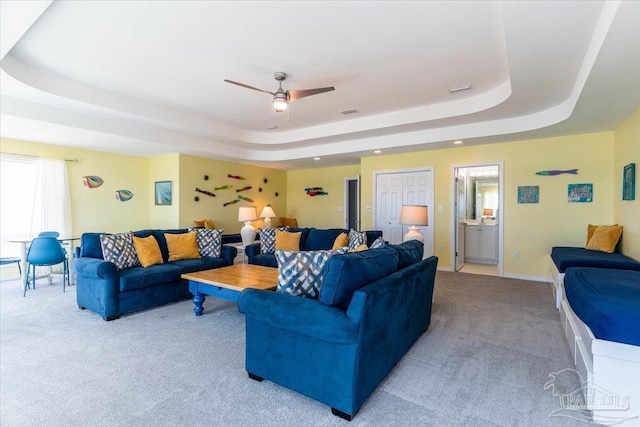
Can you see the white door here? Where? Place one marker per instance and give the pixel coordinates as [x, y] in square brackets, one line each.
[461, 211]
[398, 188]
[388, 202]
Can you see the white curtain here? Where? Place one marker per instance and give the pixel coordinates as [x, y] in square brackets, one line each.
[52, 204]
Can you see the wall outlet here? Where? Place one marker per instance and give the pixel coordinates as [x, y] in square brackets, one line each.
[367, 208]
[516, 254]
[340, 209]
[440, 208]
[439, 248]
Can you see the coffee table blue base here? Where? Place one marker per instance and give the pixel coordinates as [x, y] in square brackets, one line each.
[199, 290]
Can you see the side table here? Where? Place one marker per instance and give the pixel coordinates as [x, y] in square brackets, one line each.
[240, 248]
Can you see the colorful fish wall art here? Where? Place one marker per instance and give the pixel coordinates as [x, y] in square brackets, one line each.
[246, 199]
[235, 176]
[243, 189]
[233, 202]
[92, 181]
[208, 193]
[224, 187]
[124, 195]
[557, 172]
[315, 191]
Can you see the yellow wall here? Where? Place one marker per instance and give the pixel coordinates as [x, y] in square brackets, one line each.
[318, 211]
[532, 229]
[192, 172]
[627, 212]
[164, 168]
[98, 209]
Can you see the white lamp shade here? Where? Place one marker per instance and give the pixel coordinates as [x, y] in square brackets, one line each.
[247, 213]
[267, 212]
[414, 215]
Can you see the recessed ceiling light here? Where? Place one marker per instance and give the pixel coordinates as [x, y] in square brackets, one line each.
[459, 88]
[316, 158]
[378, 151]
[458, 142]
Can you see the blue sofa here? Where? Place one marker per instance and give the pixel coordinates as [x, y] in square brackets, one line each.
[312, 239]
[373, 306]
[101, 288]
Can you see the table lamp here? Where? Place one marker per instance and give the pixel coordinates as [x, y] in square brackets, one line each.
[267, 213]
[487, 213]
[414, 215]
[247, 214]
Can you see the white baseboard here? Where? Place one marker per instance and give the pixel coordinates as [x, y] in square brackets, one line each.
[445, 269]
[525, 277]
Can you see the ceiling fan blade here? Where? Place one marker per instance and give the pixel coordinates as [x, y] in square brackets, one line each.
[248, 87]
[297, 94]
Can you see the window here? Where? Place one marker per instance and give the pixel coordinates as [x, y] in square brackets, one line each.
[18, 178]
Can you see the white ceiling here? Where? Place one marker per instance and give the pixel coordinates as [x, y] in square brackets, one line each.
[147, 78]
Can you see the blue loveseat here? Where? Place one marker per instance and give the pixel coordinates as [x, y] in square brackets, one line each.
[111, 293]
[311, 239]
[373, 306]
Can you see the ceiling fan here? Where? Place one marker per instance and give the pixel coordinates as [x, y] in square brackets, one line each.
[282, 97]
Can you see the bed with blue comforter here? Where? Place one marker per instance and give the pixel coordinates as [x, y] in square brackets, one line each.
[607, 301]
[565, 257]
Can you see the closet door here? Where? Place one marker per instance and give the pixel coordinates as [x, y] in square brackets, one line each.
[388, 203]
[395, 189]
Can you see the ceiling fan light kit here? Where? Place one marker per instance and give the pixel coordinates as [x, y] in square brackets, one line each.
[282, 97]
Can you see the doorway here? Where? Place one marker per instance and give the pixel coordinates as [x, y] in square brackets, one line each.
[352, 203]
[477, 225]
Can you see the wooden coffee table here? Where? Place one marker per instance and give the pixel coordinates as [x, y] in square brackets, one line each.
[228, 282]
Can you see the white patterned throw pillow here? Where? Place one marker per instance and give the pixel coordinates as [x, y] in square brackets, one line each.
[209, 241]
[300, 273]
[268, 239]
[119, 249]
[356, 239]
[378, 243]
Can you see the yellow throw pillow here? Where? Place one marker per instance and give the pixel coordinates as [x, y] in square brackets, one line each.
[287, 241]
[148, 251]
[209, 224]
[605, 238]
[197, 223]
[590, 230]
[182, 246]
[341, 241]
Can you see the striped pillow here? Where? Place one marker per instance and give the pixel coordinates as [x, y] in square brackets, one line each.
[119, 249]
[209, 241]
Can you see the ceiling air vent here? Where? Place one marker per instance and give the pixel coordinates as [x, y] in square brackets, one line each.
[272, 127]
[349, 111]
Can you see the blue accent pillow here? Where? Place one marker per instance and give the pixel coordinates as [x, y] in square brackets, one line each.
[357, 239]
[345, 274]
[119, 249]
[209, 241]
[378, 243]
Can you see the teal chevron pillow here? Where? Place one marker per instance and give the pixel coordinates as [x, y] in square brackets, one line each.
[209, 241]
[119, 249]
[300, 273]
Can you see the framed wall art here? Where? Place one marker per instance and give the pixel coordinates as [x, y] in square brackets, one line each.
[528, 194]
[629, 182]
[580, 193]
[163, 193]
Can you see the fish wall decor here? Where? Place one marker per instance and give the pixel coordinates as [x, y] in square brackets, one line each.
[557, 172]
[315, 191]
[246, 199]
[224, 187]
[233, 202]
[208, 193]
[123, 195]
[235, 176]
[243, 189]
[92, 181]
